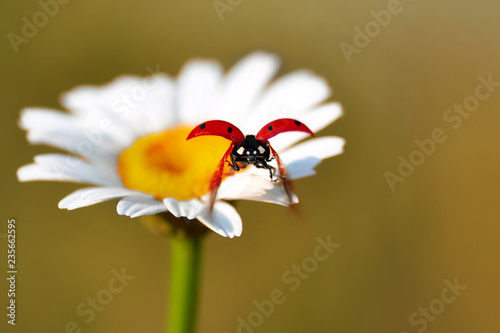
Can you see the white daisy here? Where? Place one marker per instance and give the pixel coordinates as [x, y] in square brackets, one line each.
[128, 138]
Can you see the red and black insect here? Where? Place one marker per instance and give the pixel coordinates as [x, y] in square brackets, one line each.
[250, 149]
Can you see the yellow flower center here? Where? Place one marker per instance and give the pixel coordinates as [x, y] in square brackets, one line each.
[166, 165]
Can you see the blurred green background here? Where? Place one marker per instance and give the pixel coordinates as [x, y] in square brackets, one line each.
[397, 247]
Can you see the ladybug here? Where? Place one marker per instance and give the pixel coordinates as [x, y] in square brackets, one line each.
[249, 149]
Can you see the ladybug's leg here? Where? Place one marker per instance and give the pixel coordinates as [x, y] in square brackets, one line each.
[286, 183]
[233, 163]
[261, 164]
[267, 155]
[272, 171]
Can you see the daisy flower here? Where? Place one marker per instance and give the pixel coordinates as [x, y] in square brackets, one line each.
[128, 139]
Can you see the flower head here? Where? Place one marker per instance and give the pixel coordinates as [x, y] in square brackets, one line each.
[128, 139]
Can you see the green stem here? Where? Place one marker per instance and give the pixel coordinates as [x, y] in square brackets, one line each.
[185, 269]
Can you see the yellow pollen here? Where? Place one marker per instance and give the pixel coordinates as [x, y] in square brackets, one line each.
[166, 165]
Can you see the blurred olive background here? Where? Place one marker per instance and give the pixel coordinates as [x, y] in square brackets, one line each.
[397, 247]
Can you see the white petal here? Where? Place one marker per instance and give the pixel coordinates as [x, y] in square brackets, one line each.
[244, 184]
[301, 159]
[198, 82]
[252, 184]
[188, 208]
[316, 120]
[157, 110]
[323, 147]
[275, 195]
[92, 195]
[140, 205]
[302, 168]
[71, 133]
[244, 82]
[133, 106]
[224, 220]
[110, 104]
[93, 100]
[65, 168]
[287, 98]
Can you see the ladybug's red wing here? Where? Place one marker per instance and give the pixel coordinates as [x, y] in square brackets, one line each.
[225, 130]
[286, 183]
[219, 128]
[280, 126]
[217, 177]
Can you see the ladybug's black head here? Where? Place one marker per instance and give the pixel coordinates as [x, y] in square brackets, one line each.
[250, 150]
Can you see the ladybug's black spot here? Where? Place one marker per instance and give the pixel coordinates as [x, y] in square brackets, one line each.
[270, 128]
[229, 129]
[202, 126]
[297, 122]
